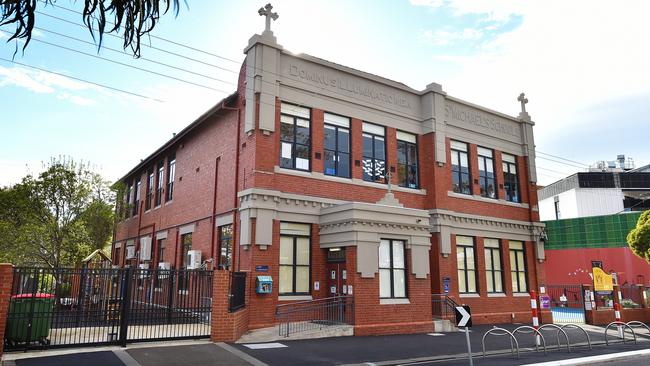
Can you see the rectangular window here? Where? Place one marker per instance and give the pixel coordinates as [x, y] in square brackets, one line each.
[510, 177]
[161, 250]
[295, 259]
[129, 200]
[295, 137]
[337, 146]
[407, 160]
[460, 176]
[136, 202]
[186, 246]
[225, 246]
[486, 173]
[160, 183]
[518, 267]
[117, 258]
[556, 205]
[493, 269]
[466, 263]
[171, 173]
[392, 269]
[149, 197]
[374, 153]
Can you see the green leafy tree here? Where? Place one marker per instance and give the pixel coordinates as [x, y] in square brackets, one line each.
[134, 17]
[57, 218]
[639, 238]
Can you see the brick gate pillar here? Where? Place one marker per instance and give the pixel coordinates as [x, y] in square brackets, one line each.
[226, 326]
[6, 281]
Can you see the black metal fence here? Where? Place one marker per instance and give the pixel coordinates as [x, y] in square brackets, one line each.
[237, 291]
[443, 307]
[64, 307]
[314, 314]
[567, 303]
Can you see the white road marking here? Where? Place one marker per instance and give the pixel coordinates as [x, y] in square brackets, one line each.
[590, 359]
[435, 334]
[265, 345]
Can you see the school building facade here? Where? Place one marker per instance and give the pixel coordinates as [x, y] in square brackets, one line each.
[334, 181]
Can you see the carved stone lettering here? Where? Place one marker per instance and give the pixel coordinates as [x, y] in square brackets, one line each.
[357, 87]
[479, 119]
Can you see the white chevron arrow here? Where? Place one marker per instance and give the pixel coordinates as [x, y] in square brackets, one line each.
[465, 316]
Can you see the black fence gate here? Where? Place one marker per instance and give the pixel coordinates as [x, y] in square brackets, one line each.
[72, 307]
[567, 303]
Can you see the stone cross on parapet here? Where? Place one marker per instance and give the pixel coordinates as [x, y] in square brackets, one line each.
[523, 100]
[266, 12]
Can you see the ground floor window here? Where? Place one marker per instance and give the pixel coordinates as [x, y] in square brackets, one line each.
[466, 264]
[493, 269]
[392, 269]
[186, 246]
[225, 246]
[295, 259]
[518, 266]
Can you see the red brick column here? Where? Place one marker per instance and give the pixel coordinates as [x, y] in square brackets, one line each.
[226, 326]
[6, 280]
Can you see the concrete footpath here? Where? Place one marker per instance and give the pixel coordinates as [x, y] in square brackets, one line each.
[417, 349]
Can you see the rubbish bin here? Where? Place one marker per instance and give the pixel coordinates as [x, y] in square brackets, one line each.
[20, 312]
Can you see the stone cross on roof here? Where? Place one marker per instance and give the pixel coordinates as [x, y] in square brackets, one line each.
[266, 12]
[523, 100]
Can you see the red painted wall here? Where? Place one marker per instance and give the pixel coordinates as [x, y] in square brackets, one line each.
[573, 266]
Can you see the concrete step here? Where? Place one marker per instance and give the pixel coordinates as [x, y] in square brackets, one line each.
[444, 325]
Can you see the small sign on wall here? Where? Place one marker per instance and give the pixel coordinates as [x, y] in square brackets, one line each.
[261, 268]
[349, 289]
[545, 301]
[344, 274]
[446, 283]
[316, 286]
[332, 289]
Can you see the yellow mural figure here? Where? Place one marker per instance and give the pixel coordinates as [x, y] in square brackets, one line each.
[602, 281]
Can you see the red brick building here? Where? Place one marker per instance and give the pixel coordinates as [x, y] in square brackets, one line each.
[335, 181]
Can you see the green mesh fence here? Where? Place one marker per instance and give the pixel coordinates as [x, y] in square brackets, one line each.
[590, 232]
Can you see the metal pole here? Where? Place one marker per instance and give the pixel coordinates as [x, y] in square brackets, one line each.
[469, 347]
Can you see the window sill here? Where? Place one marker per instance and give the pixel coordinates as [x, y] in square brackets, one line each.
[469, 295]
[393, 301]
[496, 294]
[485, 199]
[521, 294]
[294, 298]
[353, 181]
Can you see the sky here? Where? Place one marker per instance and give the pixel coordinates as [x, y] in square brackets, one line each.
[584, 66]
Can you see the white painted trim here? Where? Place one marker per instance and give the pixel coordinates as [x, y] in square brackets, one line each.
[161, 235]
[393, 301]
[496, 294]
[486, 200]
[294, 298]
[186, 229]
[521, 294]
[469, 295]
[593, 359]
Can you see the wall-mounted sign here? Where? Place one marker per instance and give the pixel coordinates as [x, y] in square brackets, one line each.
[446, 282]
[261, 268]
[316, 286]
[602, 281]
[545, 302]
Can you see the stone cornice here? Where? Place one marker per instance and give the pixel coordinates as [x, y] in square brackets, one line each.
[374, 224]
[450, 218]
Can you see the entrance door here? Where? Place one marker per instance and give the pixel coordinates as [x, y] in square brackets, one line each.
[336, 272]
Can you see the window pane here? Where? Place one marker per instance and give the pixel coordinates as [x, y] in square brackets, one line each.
[488, 259]
[516, 245]
[302, 157]
[454, 160]
[402, 178]
[513, 277]
[367, 145]
[286, 131]
[463, 161]
[330, 138]
[384, 283]
[412, 153]
[496, 260]
[471, 281]
[399, 283]
[285, 282]
[398, 254]
[461, 282]
[302, 251]
[330, 162]
[379, 148]
[286, 250]
[513, 261]
[380, 171]
[344, 140]
[498, 286]
[401, 152]
[489, 166]
[384, 254]
[368, 170]
[469, 252]
[302, 134]
[481, 165]
[344, 165]
[490, 282]
[302, 279]
[460, 258]
[522, 282]
[412, 176]
[520, 261]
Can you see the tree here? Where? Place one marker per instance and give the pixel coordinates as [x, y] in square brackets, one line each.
[57, 218]
[639, 238]
[135, 17]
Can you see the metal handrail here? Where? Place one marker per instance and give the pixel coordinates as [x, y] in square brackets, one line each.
[617, 323]
[447, 305]
[571, 325]
[314, 314]
[532, 331]
[559, 330]
[494, 331]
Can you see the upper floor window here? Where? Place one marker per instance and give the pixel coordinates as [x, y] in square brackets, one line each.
[518, 267]
[295, 137]
[493, 269]
[160, 183]
[460, 177]
[466, 264]
[392, 269]
[407, 160]
[374, 153]
[161, 250]
[486, 172]
[510, 177]
[129, 200]
[171, 173]
[149, 197]
[337, 145]
[225, 246]
[136, 202]
[295, 259]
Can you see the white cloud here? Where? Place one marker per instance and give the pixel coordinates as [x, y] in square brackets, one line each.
[23, 78]
[443, 38]
[76, 99]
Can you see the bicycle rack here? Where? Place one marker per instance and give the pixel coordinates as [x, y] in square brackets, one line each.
[559, 330]
[571, 325]
[638, 324]
[501, 332]
[533, 330]
[617, 323]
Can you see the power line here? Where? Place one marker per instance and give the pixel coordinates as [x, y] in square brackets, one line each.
[83, 80]
[559, 157]
[125, 64]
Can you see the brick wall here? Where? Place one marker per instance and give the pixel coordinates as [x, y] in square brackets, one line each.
[226, 326]
[6, 281]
